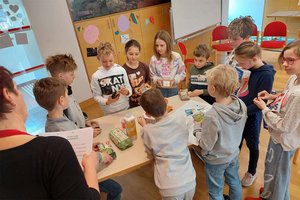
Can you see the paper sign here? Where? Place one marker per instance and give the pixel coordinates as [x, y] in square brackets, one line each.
[80, 139]
[123, 23]
[90, 34]
[5, 41]
[124, 38]
[166, 83]
[21, 38]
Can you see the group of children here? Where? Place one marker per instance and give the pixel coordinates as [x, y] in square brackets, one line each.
[237, 92]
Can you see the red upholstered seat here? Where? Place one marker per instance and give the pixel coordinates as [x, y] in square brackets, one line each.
[275, 31]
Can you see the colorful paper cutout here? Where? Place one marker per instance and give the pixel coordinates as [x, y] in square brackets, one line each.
[91, 52]
[133, 17]
[78, 28]
[21, 38]
[5, 41]
[90, 34]
[124, 38]
[123, 23]
[5, 2]
[117, 32]
[19, 15]
[151, 18]
[147, 22]
[13, 18]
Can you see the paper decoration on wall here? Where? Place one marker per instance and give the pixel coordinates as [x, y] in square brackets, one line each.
[19, 15]
[90, 34]
[5, 41]
[21, 38]
[117, 32]
[78, 28]
[124, 38]
[2, 16]
[13, 18]
[5, 2]
[123, 23]
[151, 18]
[14, 8]
[7, 13]
[147, 22]
[90, 52]
[133, 18]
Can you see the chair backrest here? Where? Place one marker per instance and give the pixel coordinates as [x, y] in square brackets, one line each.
[255, 33]
[219, 33]
[276, 28]
[182, 48]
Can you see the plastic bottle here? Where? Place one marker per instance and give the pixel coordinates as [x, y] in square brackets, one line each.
[130, 126]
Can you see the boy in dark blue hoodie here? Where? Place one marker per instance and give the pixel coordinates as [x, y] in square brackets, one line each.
[248, 56]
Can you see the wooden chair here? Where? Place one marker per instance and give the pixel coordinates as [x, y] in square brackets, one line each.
[220, 41]
[274, 31]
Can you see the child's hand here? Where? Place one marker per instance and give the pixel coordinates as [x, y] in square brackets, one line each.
[96, 127]
[107, 159]
[141, 120]
[95, 146]
[172, 82]
[259, 103]
[159, 83]
[110, 100]
[264, 95]
[195, 93]
[124, 91]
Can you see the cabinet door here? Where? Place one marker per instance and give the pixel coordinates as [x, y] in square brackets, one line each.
[125, 26]
[89, 34]
[153, 19]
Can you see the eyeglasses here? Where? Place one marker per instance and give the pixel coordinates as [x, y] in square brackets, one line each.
[288, 60]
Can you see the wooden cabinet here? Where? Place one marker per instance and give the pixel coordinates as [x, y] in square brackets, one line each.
[141, 24]
[152, 20]
[87, 48]
[125, 26]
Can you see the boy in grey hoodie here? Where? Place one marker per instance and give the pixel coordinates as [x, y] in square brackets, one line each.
[221, 133]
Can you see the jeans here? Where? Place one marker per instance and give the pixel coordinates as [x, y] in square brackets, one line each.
[215, 180]
[277, 172]
[111, 188]
[168, 92]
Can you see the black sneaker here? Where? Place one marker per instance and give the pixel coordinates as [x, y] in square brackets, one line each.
[226, 197]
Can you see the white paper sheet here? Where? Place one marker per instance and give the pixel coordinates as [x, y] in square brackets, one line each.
[80, 139]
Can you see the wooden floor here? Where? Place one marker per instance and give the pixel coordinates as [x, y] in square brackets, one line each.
[139, 185]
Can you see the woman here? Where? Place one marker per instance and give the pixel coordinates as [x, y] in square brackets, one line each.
[38, 167]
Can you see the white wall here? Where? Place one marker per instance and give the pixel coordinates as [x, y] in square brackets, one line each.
[53, 28]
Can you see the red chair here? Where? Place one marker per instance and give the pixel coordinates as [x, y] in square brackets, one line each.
[219, 41]
[275, 30]
[186, 61]
[184, 54]
[255, 34]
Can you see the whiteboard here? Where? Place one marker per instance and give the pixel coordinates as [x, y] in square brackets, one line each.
[190, 16]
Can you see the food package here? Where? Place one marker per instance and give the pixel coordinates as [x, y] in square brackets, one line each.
[183, 94]
[107, 148]
[120, 139]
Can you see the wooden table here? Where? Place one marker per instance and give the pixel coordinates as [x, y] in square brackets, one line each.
[134, 157]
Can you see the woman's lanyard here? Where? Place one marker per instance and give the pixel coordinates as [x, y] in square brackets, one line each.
[8, 133]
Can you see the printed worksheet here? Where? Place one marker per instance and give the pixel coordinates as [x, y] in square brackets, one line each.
[80, 139]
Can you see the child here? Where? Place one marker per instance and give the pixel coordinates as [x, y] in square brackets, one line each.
[240, 30]
[222, 133]
[283, 120]
[248, 56]
[166, 66]
[167, 141]
[63, 66]
[51, 94]
[138, 72]
[110, 85]
[198, 81]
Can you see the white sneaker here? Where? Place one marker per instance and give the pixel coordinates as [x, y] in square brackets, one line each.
[248, 179]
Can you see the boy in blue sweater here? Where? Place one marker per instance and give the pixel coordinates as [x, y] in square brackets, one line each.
[248, 56]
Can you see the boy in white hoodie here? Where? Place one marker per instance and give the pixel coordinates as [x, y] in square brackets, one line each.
[221, 134]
